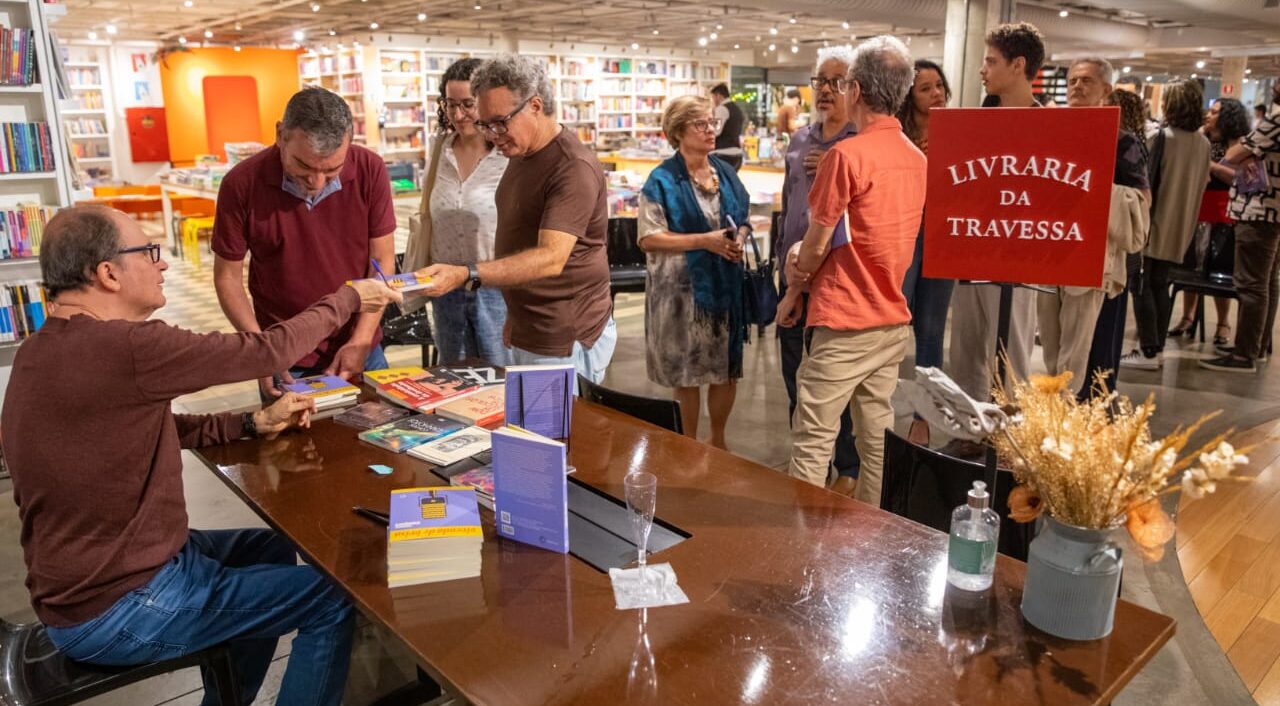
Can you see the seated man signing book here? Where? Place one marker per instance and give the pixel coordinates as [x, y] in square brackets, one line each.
[93, 448]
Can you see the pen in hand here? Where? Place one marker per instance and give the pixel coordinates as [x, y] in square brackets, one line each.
[378, 268]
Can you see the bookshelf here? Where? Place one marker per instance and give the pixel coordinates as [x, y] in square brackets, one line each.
[340, 71]
[35, 103]
[88, 117]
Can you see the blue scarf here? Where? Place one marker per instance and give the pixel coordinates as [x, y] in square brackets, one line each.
[717, 283]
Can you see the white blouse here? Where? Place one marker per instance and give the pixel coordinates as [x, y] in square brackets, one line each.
[464, 215]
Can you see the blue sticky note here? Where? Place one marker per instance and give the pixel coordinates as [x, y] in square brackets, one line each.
[380, 469]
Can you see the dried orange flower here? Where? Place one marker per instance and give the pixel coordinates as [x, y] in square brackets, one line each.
[1024, 504]
[1051, 385]
[1151, 528]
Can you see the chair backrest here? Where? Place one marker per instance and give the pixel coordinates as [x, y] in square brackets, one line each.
[660, 413]
[622, 246]
[775, 234]
[1220, 256]
[925, 486]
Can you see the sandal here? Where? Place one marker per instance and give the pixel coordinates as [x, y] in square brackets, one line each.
[1220, 338]
[1182, 329]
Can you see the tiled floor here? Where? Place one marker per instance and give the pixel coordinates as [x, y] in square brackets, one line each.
[758, 431]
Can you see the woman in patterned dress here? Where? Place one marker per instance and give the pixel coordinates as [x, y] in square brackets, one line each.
[693, 221]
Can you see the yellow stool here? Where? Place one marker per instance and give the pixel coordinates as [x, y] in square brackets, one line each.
[191, 231]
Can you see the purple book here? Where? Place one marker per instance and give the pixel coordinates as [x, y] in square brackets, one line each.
[530, 491]
[539, 399]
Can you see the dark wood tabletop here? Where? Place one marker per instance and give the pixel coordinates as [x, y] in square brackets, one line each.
[796, 594]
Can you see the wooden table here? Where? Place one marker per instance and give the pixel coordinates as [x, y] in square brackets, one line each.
[797, 595]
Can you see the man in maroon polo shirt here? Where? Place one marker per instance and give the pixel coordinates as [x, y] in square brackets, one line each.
[312, 210]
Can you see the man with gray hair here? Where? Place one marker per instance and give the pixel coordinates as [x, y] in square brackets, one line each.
[858, 317]
[805, 150]
[313, 210]
[552, 224]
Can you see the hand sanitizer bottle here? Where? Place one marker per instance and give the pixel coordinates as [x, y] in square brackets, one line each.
[971, 555]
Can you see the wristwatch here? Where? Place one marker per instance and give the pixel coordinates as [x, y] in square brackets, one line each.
[473, 279]
[248, 429]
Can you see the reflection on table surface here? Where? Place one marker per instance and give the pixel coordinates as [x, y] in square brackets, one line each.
[797, 595]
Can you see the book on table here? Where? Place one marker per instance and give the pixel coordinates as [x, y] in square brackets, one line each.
[404, 434]
[368, 415]
[539, 399]
[486, 408]
[481, 480]
[426, 391]
[434, 534]
[453, 447]
[382, 377]
[329, 391]
[530, 488]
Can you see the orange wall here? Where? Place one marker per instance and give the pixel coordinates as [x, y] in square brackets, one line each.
[274, 70]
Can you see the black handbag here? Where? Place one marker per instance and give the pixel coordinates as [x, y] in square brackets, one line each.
[759, 289]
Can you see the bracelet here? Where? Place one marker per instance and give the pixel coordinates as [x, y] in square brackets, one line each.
[248, 428]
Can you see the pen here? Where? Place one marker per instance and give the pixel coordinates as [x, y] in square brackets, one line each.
[732, 225]
[375, 515]
[378, 268]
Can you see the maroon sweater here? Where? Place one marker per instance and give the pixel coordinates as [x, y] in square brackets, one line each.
[93, 446]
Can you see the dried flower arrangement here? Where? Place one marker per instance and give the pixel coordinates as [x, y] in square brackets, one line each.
[1095, 464]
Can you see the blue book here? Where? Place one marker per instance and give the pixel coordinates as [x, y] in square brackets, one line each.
[530, 490]
[539, 399]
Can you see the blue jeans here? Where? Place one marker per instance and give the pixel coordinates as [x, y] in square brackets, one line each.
[929, 301]
[469, 325]
[591, 363]
[241, 587]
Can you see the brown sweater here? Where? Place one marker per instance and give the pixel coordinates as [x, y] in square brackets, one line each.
[93, 446]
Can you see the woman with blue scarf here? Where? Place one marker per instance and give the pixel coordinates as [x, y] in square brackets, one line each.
[693, 216]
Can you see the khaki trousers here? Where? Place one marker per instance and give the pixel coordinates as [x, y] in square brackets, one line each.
[1066, 331]
[854, 369]
[975, 313]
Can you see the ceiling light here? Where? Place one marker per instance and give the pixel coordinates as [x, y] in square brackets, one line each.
[702, 41]
[1193, 75]
[845, 24]
[635, 45]
[187, 3]
[315, 7]
[792, 20]
[111, 29]
[298, 35]
[714, 36]
[795, 49]
[773, 31]
[476, 6]
[757, 37]
[333, 33]
[237, 26]
[825, 43]
[182, 39]
[373, 25]
[93, 36]
[719, 26]
[1127, 69]
[237, 47]
[773, 47]
[1063, 13]
[422, 17]
[1150, 78]
[1200, 64]
[853, 37]
[655, 31]
[737, 46]
[208, 34]
[797, 41]
[1248, 71]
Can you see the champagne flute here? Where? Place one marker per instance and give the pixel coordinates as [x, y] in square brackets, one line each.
[642, 498]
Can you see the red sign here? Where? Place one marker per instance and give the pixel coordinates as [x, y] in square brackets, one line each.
[1020, 194]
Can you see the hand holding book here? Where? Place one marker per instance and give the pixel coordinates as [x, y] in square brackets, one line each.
[374, 294]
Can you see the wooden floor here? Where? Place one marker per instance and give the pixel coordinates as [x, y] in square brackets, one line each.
[1229, 547]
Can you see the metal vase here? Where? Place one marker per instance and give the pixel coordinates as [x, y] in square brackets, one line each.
[1073, 580]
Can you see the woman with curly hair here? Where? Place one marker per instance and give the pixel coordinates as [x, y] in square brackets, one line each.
[1180, 171]
[457, 221]
[1225, 124]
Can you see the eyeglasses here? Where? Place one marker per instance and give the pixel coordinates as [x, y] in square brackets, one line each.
[498, 126]
[466, 106]
[706, 125]
[838, 85]
[153, 251]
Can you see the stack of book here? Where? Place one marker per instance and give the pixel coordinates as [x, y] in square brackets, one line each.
[404, 434]
[22, 309]
[434, 535]
[329, 391]
[27, 148]
[22, 229]
[17, 56]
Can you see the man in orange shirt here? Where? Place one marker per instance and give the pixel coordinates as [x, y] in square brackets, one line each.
[858, 317]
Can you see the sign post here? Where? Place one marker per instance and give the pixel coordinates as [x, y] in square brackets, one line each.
[1019, 196]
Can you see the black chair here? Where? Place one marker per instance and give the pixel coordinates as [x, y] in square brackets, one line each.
[626, 259]
[925, 486]
[660, 413]
[775, 236]
[1214, 277]
[34, 673]
[412, 329]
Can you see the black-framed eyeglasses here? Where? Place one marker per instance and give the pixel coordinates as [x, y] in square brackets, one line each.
[153, 251]
[839, 85]
[498, 126]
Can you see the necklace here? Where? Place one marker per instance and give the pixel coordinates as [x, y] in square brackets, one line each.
[708, 189]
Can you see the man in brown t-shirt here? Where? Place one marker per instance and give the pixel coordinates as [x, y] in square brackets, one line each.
[552, 223]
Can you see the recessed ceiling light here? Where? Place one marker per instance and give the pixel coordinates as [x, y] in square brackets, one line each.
[373, 25]
[773, 47]
[1248, 71]
[773, 30]
[1063, 13]
[794, 40]
[655, 31]
[111, 29]
[315, 7]
[333, 33]
[93, 36]
[422, 17]
[208, 34]
[237, 26]
[1127, 69]
[1150, 78]
[853, 37]
[182, 40]
[635, 45]
[792, 20]
[795, 49]
[845, 24]
[757, 37]
[1193, 75]
[237, 47]
[187, 3]
[719, 26]
[1200, 64]
[702, 41]
[714, 36]
[476, 6]
[737, 46]
[298, 35]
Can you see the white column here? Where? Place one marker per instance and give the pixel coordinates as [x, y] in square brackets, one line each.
[1233, 76]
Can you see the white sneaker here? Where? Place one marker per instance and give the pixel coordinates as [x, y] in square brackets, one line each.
[1137, 361]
